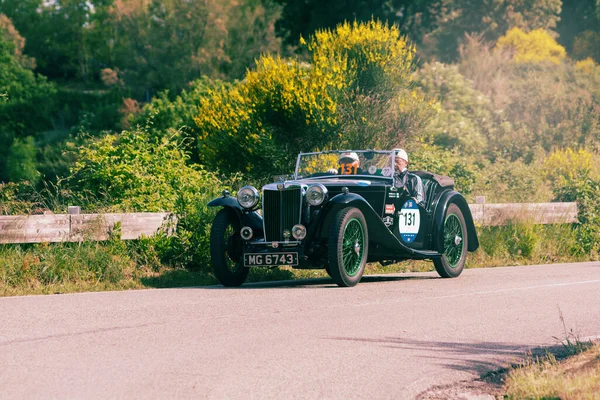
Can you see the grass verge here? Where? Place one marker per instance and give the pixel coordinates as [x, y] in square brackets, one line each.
[120, 265]
[576, 377]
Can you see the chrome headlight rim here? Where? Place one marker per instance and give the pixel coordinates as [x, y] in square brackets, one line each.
[248, 197]
[319, 189]
[246, 233]
[299, 232]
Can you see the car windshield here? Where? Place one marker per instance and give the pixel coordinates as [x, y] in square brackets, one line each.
[344, 163]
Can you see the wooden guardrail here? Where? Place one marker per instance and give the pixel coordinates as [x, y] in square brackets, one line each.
[537, 213]
[77, 227]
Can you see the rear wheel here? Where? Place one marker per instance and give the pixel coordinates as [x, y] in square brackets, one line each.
[348, 247]
[454, 239]
[226, 249]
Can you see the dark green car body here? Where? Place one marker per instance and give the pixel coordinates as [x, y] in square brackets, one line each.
[398, 228]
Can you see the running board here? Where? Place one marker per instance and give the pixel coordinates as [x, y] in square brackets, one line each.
[426, 253]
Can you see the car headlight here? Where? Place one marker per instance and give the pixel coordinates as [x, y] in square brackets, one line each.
[299, 232]
[247, 197]
[316, 194]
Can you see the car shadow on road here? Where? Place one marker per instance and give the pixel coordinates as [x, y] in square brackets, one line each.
[478, 357]
[322, 283]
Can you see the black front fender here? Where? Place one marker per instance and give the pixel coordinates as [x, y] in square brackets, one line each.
[453, 197]
[246, 218]
[227, 201]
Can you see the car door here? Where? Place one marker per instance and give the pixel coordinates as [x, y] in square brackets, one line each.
[407, 220]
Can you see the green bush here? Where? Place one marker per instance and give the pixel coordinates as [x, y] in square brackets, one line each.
[549, 106]
[575, 176]
[163, 113]
[441, 161]
[586, 192]
[21, 161]
[17, 198]
[535, 105]
[587, 44]
[503, 181]
[137, 171]
[522, 239]
[464, 121]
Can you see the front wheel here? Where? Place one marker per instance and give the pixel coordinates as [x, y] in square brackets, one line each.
[455, 239]
[226, 249]
[348, 247]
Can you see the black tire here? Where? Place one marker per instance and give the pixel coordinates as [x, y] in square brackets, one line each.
[455, 241]
[348, 247]
[226, 249]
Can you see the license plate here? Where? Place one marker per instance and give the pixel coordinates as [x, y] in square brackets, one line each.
[270, 259]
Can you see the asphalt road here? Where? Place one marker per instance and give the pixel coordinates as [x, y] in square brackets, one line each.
[391, 336]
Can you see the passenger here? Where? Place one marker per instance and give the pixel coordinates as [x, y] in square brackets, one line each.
[349, 165]
[407, 180]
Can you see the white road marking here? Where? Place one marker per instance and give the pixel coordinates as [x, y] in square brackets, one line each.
[517, 289]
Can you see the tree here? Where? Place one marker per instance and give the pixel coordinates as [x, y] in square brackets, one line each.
[159, 45]
[587, 44]
[56, 33]
[303, 18]
[250, 33]
[455, 18]
[8, 31]
[577, 16]
[27, 101]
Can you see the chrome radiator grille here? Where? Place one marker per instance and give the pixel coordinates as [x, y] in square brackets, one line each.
[281, 211]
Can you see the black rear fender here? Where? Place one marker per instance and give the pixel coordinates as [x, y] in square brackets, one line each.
[378, 232]
[447, 198]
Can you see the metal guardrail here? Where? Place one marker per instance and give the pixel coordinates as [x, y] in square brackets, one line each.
[75, 227]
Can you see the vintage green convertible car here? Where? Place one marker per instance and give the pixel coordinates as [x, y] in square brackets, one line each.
[339, 217]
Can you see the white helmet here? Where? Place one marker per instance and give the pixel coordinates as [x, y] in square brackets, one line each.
[348, 157]
[400, 153]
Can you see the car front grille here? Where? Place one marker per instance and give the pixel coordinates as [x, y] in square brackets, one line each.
[281, 211]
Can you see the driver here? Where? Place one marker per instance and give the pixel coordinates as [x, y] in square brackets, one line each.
[349, 165]
[409, 181]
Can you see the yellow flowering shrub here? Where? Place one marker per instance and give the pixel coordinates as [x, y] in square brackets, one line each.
[569, 164]
[318, 163]
[259, 125]
[587, 66]
[380, 108]
[535, 46]
[370, 48]
[284, 106]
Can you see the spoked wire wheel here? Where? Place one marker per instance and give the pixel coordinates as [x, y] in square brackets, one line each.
[454, 240]
[353, 246]
[348, 247]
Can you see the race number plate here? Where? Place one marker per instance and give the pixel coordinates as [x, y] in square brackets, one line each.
[409, 221]
[270, 259]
